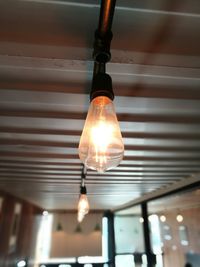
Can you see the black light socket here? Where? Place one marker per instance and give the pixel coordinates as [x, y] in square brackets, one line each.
[101, 86]
[83, 190]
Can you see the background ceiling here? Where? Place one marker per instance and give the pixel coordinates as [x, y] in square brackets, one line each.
[45, 76]
[182, 201]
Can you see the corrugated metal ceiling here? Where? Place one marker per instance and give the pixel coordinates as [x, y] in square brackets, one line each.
[45, 77]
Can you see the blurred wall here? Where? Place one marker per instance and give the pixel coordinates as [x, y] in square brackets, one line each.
[175, 253]
[70, 243]
[17, 218]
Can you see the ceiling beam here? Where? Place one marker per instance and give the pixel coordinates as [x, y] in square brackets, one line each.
[75, 156]
[171, 136]
[136, 90]
[68, 168]
[73, 165]
[55, 65]
[8, 179]
[28, 142]
[161, 192]
[107, 175]
[184, 119]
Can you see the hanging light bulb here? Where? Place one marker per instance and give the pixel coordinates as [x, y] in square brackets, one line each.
[83, 204]
[97, 228]
[179, 218]
[59, 227]
[163, 218]
[80, 217]
[101, 147]
[78, 229]
[141, 220]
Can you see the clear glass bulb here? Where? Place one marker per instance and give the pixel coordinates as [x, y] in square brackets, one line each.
[80, 217]
[101, 147]
[83, 204]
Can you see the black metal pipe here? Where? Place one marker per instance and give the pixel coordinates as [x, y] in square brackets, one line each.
[99, 67]
[102, 82]
[106, 16]
[103, 34]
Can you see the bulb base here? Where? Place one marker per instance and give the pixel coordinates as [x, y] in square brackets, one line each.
[101, 86]
[83, 190]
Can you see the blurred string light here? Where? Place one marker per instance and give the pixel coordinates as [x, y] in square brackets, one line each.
[163, 218]
[83, 204]
[21, 263]
[141, 220]
[152, 217]
[45, 213]
[179, 218]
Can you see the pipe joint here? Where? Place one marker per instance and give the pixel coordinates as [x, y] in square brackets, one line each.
[102, 43]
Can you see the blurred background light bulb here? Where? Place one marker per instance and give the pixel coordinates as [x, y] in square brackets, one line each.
[80, 216]
[101, 147]
[83, 205]
[163, 218]
[179, 218]
[141, 220]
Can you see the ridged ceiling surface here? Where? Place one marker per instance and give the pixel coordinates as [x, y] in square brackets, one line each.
[45, 77]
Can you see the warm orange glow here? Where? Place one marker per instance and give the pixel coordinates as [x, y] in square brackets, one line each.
[101, 146]
[101, 101]
[101, 137]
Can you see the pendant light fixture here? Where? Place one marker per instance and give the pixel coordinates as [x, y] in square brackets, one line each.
[83, 204]
[101, 147]
[179, 218]
[78, 229]
[59, 227]
[97, 228]
[163, 218]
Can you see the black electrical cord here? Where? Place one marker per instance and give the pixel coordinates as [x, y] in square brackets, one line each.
[83, 189]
